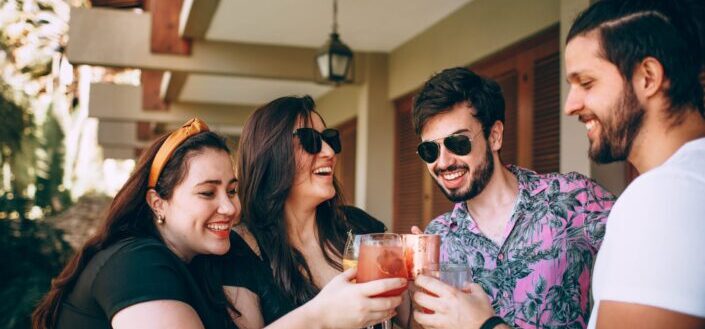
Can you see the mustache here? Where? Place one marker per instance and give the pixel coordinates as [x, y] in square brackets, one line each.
[450, 168]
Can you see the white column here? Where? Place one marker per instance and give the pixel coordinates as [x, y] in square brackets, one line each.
[374, 174]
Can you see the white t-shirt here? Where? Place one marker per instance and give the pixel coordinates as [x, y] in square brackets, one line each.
[653, 252]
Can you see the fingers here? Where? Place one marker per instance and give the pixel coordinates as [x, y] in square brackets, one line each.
[416, 230]
[378, 317]
[474, 288]
[427, 301]
[428, 321]
[377, 287]
[378, 304]
[349, 274]
[435, 286]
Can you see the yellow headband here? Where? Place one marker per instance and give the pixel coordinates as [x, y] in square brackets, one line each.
[190, 128]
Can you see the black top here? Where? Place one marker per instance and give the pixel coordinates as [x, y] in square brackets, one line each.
[249, 271]
[132, 271]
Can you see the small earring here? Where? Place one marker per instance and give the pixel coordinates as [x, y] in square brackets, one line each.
[160, 220]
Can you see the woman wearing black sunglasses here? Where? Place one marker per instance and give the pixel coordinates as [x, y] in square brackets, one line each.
[291, 204]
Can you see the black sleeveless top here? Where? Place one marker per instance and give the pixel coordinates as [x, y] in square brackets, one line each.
[129, 272]
[246, 269]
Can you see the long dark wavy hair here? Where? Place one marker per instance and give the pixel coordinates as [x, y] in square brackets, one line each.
[129, 215]
[267, 166]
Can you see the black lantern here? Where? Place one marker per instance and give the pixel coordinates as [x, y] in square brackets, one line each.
[335, 59]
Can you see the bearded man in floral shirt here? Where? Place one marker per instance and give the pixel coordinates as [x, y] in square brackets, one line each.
[530, 239]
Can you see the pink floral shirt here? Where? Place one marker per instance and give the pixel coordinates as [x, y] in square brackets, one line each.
[540, 276]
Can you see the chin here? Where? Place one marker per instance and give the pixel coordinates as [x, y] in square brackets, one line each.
[219, 248]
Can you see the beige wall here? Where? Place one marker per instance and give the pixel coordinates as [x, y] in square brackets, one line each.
[476, 30]
[339, 105]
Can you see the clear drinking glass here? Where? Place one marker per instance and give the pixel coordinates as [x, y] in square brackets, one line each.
[421, 251]
[454, 275]
[352, 251]
[382, 257]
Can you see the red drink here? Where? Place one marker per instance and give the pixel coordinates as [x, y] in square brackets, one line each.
[381, 257]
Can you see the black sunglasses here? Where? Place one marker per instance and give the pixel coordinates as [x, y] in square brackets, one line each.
[459, 144]
[311, 139]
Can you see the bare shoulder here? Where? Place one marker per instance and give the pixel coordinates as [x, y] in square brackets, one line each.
[613, 314]
[172, 314]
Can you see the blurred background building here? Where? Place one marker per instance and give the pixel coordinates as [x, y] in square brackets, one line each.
[218, 60]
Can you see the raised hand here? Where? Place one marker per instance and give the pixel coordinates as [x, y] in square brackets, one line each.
[450, 307]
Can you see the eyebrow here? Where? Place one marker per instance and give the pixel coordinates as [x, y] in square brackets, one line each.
[453, 133]
[216, 182]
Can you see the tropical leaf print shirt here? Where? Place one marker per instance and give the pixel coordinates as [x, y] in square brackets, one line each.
[540, 276]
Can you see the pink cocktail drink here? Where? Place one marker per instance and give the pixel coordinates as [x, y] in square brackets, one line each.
[381, 258]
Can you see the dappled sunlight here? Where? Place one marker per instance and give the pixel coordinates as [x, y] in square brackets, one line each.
[116, 172]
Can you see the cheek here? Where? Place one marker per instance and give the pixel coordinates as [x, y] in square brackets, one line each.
[601, 102]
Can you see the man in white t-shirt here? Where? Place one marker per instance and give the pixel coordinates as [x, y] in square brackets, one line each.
[632, 66]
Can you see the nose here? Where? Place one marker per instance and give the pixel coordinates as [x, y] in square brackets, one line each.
[574, 102]
[326, 150]
[229, 206]
[445, 157]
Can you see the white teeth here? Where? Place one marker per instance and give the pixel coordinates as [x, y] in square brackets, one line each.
[453, 175]
[218, 227]
[590, 124]
[323, 170]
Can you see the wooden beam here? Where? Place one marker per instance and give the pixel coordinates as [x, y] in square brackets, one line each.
[118, 3]
[196, 17]
[115, 38]
[151, 82]
[172, 84]
[124, 103]
[165, 37]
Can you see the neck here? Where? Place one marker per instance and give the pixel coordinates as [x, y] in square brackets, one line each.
[500, 192]
[184, 255]
[659, 138]
[300, 222]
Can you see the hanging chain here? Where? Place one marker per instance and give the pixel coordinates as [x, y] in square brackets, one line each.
[335, 16]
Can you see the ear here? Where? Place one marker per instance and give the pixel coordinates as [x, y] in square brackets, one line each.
[496, 136]
[155, 202]
[648, 78]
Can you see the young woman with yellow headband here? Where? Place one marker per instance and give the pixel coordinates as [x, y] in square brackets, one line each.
[136, 271]
[133, 272]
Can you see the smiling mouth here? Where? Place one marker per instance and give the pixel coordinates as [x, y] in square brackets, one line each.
[590, 122]
[218, 227]
[452, 175]
[323, 171]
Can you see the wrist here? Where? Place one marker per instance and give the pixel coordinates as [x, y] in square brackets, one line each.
[313, 315]
[494, 322]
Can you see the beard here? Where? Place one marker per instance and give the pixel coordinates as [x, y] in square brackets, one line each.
[619, 130]
[480, 178]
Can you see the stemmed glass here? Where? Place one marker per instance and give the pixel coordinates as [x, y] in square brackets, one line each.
[381, 257]
[352, 251]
